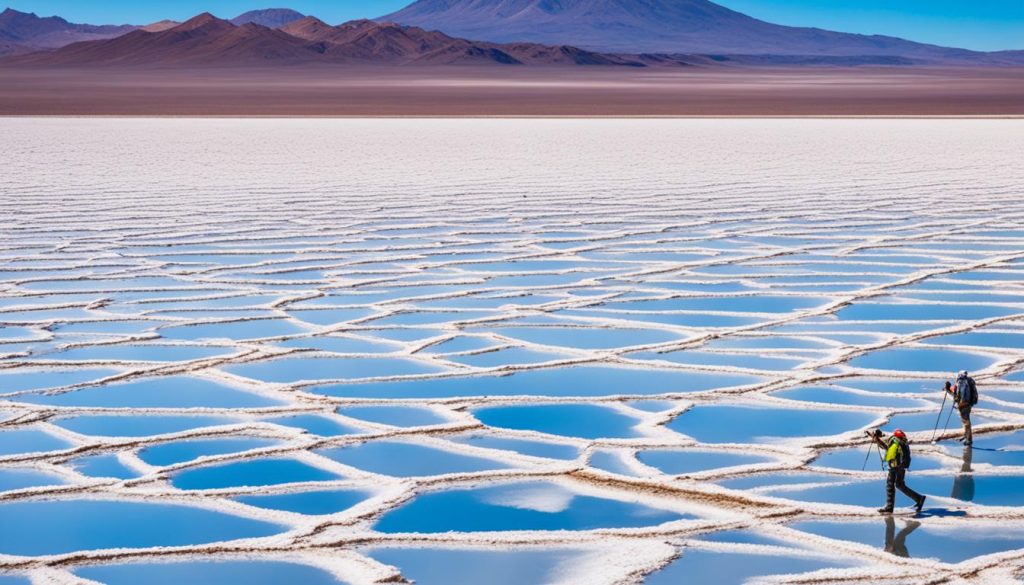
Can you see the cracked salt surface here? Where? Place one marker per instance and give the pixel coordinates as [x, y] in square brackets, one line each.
[332, 357]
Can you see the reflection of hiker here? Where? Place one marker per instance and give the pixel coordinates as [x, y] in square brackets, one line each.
[897, 543]
[897, 456]
[965, 396]
[963, 483]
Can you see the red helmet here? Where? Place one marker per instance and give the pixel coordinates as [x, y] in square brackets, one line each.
[899, 433]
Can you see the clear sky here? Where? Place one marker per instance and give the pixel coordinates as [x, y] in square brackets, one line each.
[975, 24]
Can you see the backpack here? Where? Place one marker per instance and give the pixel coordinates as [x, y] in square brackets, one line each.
[902, 453]
[967, 390]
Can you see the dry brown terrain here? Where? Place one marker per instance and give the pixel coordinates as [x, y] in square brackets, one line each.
[512, 91]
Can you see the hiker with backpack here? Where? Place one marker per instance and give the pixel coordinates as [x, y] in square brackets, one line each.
[965, 396]
[897, 458]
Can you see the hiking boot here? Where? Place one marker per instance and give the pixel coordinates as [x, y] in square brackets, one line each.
[885, 510]
[920, 504]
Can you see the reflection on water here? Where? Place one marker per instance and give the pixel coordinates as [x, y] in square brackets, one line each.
[963, 482]
[897, 543]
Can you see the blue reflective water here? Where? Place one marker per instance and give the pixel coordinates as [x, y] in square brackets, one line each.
[986, 490]
[980, 338]
[103, 466]
[589, 338]
[21, 379]
[723, 568]
[181, 451]
[853, 460]
[523, 446]
[16, 478]
[18, 441]
[315, 424]
[251, 572]
[778, 478]
[250, 473]
[330, 317]
[507, 356]
[399, 416]
[828, 395]
[446, 566]
[731, 304]
[101, 425]
[564, 381]
[408, 460]
[461, 343]
[612, 461]
[743, 424]
[339, 344]
[588, 421]
[735, 360]
[678, 461]
[531, 505]
[429, 318]
[37, 528]
[910, 538]
[235, 330]
[289, 370]
[162, 392]
[865, 311]
[312, 503]
[142, 353]
[922, 360]
[995, 449]
[677, 319]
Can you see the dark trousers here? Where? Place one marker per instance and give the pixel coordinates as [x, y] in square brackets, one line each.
[965, 418]
[894, 481]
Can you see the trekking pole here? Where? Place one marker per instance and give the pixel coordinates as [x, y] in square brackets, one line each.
[867, 456]
[938, 416]
[952, 407]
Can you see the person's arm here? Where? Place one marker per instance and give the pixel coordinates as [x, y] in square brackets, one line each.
[876, 437]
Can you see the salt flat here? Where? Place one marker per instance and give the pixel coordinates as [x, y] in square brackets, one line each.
[506, 351]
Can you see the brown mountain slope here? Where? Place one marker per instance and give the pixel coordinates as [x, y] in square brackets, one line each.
[209, 41]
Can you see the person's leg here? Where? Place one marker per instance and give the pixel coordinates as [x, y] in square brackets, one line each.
[890, 491]
[965, 418]
[902, 486]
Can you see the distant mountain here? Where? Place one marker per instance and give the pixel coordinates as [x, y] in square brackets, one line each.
[160, 26]
[269, 17]
[209, 41]
[23, 31]
[655, 26]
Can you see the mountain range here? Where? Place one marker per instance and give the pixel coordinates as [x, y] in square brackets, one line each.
[209, 41]
[536, 32]
[658, 26]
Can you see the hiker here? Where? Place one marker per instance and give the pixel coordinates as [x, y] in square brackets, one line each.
[897, 456]
[965, 396]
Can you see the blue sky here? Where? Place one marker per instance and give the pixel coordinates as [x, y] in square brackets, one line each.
[976, 24]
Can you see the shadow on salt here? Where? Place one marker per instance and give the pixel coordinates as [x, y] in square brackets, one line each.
[162, 392]
[36, 528]
[729, 568]
[295, 369]
[251, 572]
[587, 421]
[580, 381]
[521, 505]
[910, 538]
[922, 360]
[747, 424]
[250, 473]
[181, 451]
[101, 425]
[310, 503]
[401, 459]
[462, 566]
